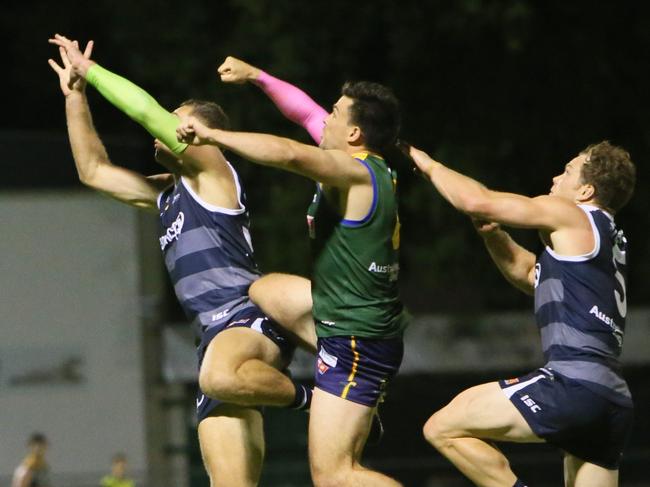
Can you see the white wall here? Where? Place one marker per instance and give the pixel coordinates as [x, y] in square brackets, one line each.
[436, 344]
[69, 288]
[498, 341]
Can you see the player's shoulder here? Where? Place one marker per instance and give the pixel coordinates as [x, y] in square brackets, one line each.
[356, 167]
[562, 208]
[554, 201]
[340, 155]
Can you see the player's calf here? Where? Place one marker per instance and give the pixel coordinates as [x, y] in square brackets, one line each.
[254, 383]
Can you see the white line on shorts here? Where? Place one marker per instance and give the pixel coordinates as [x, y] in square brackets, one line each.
[509, 391]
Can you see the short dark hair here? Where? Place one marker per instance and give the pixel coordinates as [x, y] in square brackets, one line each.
[609, 169]
[119, 457]
[375, 109]
[209, 112]
[37, 439]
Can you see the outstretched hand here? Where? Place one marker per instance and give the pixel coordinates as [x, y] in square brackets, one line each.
[423, 162]
[69, 80]
[236, 71]
[78, 60]
[192, 131]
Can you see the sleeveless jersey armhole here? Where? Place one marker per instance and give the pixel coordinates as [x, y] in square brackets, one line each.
[590, 255]
[373, 206]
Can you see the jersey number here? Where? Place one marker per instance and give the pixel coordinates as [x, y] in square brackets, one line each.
[619, 258]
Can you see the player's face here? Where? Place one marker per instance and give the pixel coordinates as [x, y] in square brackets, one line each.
[119, 468]
[569, 183]
[337, 130]
[39, 449]
[162, 153]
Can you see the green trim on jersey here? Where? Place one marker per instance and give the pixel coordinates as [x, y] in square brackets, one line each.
[356, 263]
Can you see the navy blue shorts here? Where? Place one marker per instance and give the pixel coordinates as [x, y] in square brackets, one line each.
[254, 319]
[571, 417]
[357, 369]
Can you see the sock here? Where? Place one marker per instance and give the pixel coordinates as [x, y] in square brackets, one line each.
[519, 483]
[302, 401]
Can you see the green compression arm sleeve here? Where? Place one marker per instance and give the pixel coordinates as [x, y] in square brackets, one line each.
[137, 104]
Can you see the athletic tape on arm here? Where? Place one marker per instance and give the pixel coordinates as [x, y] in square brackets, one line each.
[137, 104]
[294, 104]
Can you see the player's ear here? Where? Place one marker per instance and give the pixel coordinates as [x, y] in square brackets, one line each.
[355, 136]
[586, 192]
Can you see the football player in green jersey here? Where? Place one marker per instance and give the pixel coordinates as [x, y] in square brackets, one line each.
[354, 227]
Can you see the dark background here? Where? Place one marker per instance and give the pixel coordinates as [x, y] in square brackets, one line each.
[504, 91]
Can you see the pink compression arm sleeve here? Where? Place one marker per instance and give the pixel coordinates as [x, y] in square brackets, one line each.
[294, 104]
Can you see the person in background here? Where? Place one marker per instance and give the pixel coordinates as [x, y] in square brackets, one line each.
[117, 477]
[33, 471]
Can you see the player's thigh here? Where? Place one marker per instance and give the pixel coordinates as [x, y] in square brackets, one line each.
[282, 296]
[232, 446]
[578, 473]
[481, 411]
[338, 430]
[232, 347]
[286, 299]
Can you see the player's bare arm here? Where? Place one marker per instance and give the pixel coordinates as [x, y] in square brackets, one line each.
[547, 213]
[205, 168]
[93, 165]
[95, 168]
[331, 167]
[513, 261]
[131, 99]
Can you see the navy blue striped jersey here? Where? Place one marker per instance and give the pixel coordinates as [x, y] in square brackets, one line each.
[208, 254]
[580, 307]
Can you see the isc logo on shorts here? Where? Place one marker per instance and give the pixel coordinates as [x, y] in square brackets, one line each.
[532, 405]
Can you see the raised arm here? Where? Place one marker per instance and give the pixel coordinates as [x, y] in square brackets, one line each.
[546, 213]
[331, 167]
[126, 96]
[513, 261]
[294, 103]
[93, 165]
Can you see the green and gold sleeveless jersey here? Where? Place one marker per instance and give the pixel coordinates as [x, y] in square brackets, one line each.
[354, 279]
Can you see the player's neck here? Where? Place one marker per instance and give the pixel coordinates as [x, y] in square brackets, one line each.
[595, 204]
[355, 150]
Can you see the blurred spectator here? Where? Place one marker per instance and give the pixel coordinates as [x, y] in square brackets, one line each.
[117, 477]
[33, 471]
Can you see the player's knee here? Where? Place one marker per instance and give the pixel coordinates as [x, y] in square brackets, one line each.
[328, 470]
[218, 384]
[218, 479]
[434, 431]
[256, 291]
[329, 477]
[227, 475]
[262, 289]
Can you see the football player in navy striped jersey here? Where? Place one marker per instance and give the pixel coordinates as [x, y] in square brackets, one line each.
[579, 400]
[208, 253]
